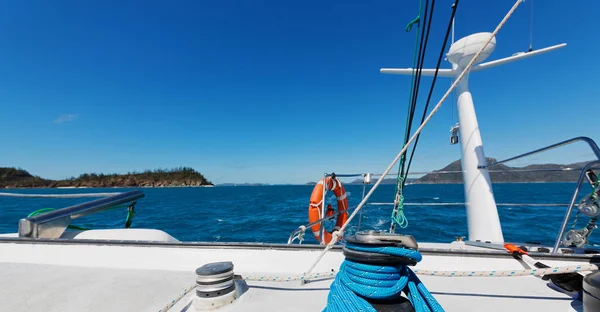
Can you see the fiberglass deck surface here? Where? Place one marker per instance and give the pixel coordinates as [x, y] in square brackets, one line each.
[38, 287]
[53, 288]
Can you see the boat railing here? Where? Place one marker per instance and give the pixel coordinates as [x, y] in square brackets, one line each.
[595, 164]
[52, 224]
[587, 168]
[298, 234]
[593, 146]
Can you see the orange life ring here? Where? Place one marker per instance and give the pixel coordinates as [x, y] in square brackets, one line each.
[316, 206]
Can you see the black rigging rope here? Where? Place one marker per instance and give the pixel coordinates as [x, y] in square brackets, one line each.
[437, 68]
[417, 77]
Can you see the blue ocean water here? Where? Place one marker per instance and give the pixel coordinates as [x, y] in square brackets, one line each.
[269, 213]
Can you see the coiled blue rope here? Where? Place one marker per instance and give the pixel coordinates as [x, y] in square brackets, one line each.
[357, 281]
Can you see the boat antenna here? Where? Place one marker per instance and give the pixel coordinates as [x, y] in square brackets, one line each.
[531, 28]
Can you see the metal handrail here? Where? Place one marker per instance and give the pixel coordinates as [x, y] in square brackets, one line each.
[593, 146]
[590, 165]
[499, 171]
[587, 140]
[52, 224]
[461, 204]
[78, 195]
[356, 175]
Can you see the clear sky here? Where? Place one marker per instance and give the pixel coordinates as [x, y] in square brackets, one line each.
[273, 91]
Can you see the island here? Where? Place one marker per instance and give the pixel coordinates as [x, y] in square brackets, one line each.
[177, 177]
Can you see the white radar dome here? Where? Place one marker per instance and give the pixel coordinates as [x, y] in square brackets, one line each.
[463, 50]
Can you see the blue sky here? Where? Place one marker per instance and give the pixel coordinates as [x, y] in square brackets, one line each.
[273, 91]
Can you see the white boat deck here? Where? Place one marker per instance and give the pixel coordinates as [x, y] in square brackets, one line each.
[68, 288]
[39, 287]
[96, 276]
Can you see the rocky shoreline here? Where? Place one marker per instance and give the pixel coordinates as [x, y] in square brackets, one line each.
[178, 177]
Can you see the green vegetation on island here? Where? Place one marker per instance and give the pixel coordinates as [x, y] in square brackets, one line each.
[182, 176]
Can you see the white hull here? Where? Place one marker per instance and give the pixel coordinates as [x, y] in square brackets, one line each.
[78, 275]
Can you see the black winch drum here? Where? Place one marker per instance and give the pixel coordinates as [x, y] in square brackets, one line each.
[591, 292]
[382, 239]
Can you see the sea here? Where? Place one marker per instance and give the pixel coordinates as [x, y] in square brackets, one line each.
[269, 213]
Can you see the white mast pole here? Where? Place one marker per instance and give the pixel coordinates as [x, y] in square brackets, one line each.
[482, 214]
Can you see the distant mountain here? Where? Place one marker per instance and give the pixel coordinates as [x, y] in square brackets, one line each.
[182, 176]
[505, 174]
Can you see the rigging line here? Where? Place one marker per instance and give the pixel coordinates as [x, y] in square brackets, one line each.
[410, 108]
[421, 61]
[398, 217]
[453, 108]
[337, 234]
[412, 78]
[531, 29]
[415, 96]
[437, 68]
[363, 196]
[453, 31]
[414, 86]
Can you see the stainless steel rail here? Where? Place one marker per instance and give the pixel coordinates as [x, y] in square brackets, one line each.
[462, 204]
[52, 224]
[81, 195]
[587, 140]
[492, 171]
[563, 227]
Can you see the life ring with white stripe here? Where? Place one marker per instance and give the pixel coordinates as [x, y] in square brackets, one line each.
[316, 206]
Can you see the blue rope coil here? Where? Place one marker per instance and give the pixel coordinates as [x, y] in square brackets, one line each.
[357, 281]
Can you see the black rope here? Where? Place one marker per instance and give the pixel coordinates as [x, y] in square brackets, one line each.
[417, 76]
[437, 68]
[415, 92]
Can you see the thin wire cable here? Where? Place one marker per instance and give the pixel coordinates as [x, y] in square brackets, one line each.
[337, 234]
[462, 204]
[453, 107]
[360, 216]
[531, 29]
